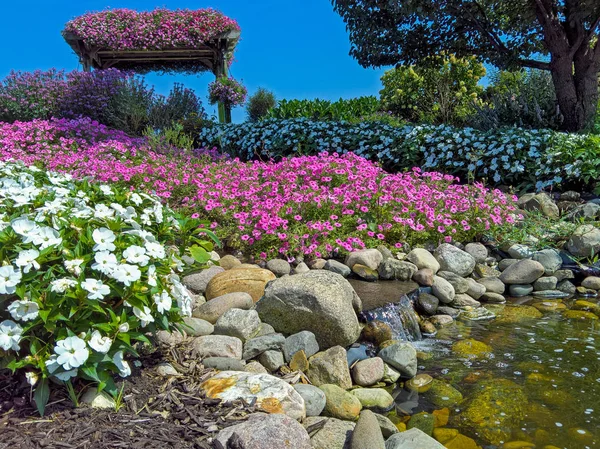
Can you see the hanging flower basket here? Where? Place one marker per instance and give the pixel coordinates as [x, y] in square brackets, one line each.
[227, 91]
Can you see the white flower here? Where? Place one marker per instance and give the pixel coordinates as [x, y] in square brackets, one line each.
[96, 289]
[184, 300]
[62, 285]
[136, 254]
[46, 237]
[72, 352]
[24, 310]
[9, 279]
[152, 276]
[122, 365]
[10, 335]
[124, 327]
[106, 262]
[31, 378]
[25, 227]
[106, 189]
[155, 250]
[126, 273]
[99, 343]
[103, 211]
[163, 302]
[104, 239]
[144, 315]
[136, 199]
[26, 260]
[73, 266]
[53, 365]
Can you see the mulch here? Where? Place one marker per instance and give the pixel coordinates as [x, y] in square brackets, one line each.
[157, 412]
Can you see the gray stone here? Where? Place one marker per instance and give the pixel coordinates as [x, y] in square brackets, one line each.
[525, 271]
[566, 286]
[368, 257]
[301, 268]
[412, 439]
[475, 290]
[443, 290]
[592, 282]
[228, 262]
[97, 400]
[492, 298]
[255, 367]
[390, 375]
[401, 356]
[197, 327]
[541, 202]
[264, 329]
[447, 310]
[197, 282]
[585, 241]
[519, 251]
[424, 277]
[368, 372]
[376, 399]
[170, 338]
[224, 364]
[492, 285]
[367, 434]
[518, 290]
[440, 321]
[272, 360]
[550, 294]
[212, 310]
[319, 301]
[561, 275]
[454, 259]
[314, 398]
[387, 427]
[243, 324]
[304, 340]
[385, 252]
[505, 263]
[485, 271]
[365, 272]
[427, 303]
[217, 346]
[263, 431]
[317, 264]
[550, 260]
[463, 301]
[587, 211]
[545, 283]
[460, 284]
[423, 259]
[397, 269]
[167, 370]
[338, 267]
[335, 434]
[279, 267]
[330, 367]
[478, 251]
[256, 346]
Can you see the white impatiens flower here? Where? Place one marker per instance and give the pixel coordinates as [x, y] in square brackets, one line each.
[124, 327]
[102, 211]
[9, 279]
[136, 199]
[152, 280]
[163, 302]
[62, 285]
[145, 315]
[25, 228]
[31, 378]
[99, 343]
[122, 365]
[72, 352]
[104, 239]
[97, 289]
[10, 335]
[106, 262]
[155, 250]
[73, 266]
[53, 366]
[126, 273]
[24, 310]
[26, 260]
[136, 254]
[181, 294]
[46, 237]
[106, 189]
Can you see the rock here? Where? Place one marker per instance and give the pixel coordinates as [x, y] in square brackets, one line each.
[377, 332]
[475, 289]
[427, 303]
[368, 372]
[98, 400]
[539, 202]
[330, 367]
[585, 241]
[271, 360]
[385, 252]
[262, 431]
[570, 195]
[423, 259]
[460, 284]
[197, 327]
[264, 329]
[561, 275]
[256, 346]
[334, 434]
[440, 321]
[549, 294]
[249, 280]
[197, 282]
[587, 211]
[224, 364]
[464, 301]
[228, 262]
[455, 260]
[566, 287]
[505, 263]
[376, 399]
[518, 290]
[471, 349]
[387, 427]
[319, 301]
[492, 285]
[301, 268]
[170, 338]
[217, 346]
[545, 283]
[478, 314]
[579, 315]
[516, 314]
[256, 368]
[337, 267]
[525, 271]
[212, 310]
[167, 370]
[422, 421]
[549, 306]
[397, 269]
[339, 403]
[299, 362]
[443, 290]
[442, 394]
[390, 375]
[279, 267]
[401, 356]
[550, 260]
[586, 292]
[588, 306]
[365, 272]
[424, 277]
[492, 298]
[271, 394]
[367, 433]
[519, 251]
[485, 271]
[243, 324]
[427, 328]
[302, 341]
[591, 282]
[420, 383]
[314, 398]
[370, 258]
[478, 251]
[450, 311]
[317, 264]
[412, 439]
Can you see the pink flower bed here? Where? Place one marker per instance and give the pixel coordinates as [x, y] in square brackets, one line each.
[311, 205]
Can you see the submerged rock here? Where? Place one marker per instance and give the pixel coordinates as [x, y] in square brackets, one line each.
[442, 394]
[471, 349]
[516, 314]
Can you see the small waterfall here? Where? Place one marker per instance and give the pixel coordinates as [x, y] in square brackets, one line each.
[400, 316]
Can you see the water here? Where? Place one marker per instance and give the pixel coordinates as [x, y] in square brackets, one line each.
[400, 316]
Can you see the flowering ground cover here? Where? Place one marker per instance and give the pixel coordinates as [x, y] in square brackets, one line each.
[310, 205]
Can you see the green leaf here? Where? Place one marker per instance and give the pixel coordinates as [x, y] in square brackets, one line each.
[42, 394]
[44, 315]
[199, 254]
[91, 373]
[125, 338]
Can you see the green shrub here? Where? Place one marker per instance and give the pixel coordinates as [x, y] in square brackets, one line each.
[181, 104]
[354, 109]
[259, 104]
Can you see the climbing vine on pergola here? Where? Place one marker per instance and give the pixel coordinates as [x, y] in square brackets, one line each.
[168, 41]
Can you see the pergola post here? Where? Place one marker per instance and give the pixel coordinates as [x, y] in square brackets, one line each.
[221, 70]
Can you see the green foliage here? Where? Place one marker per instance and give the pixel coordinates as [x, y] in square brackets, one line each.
[259, 104]
[353, 109]
[579, 156]
[443, 89]
[181, 104]
[169, 139]
[129, 109]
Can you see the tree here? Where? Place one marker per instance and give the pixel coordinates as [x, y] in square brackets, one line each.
[561, 36]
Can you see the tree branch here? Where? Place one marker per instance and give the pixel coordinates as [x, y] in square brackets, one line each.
[533, 64]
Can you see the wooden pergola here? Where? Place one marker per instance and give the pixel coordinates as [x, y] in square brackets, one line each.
[212, 56]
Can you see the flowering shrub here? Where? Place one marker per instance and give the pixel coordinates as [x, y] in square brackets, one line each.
[86, 272]
[352, 109]
[227, 91]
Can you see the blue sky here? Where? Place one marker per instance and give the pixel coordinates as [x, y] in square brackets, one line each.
[296, 48]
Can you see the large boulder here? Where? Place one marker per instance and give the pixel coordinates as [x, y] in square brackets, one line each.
[525, 271]
[423, 259]
[454, 259]
[550, 259]
[368, 257]
[541, 202]
[397, 269]
[261, 431]
[249, 280]
[585, 241]
[319, 301]
[269, 393]
[243, 324]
